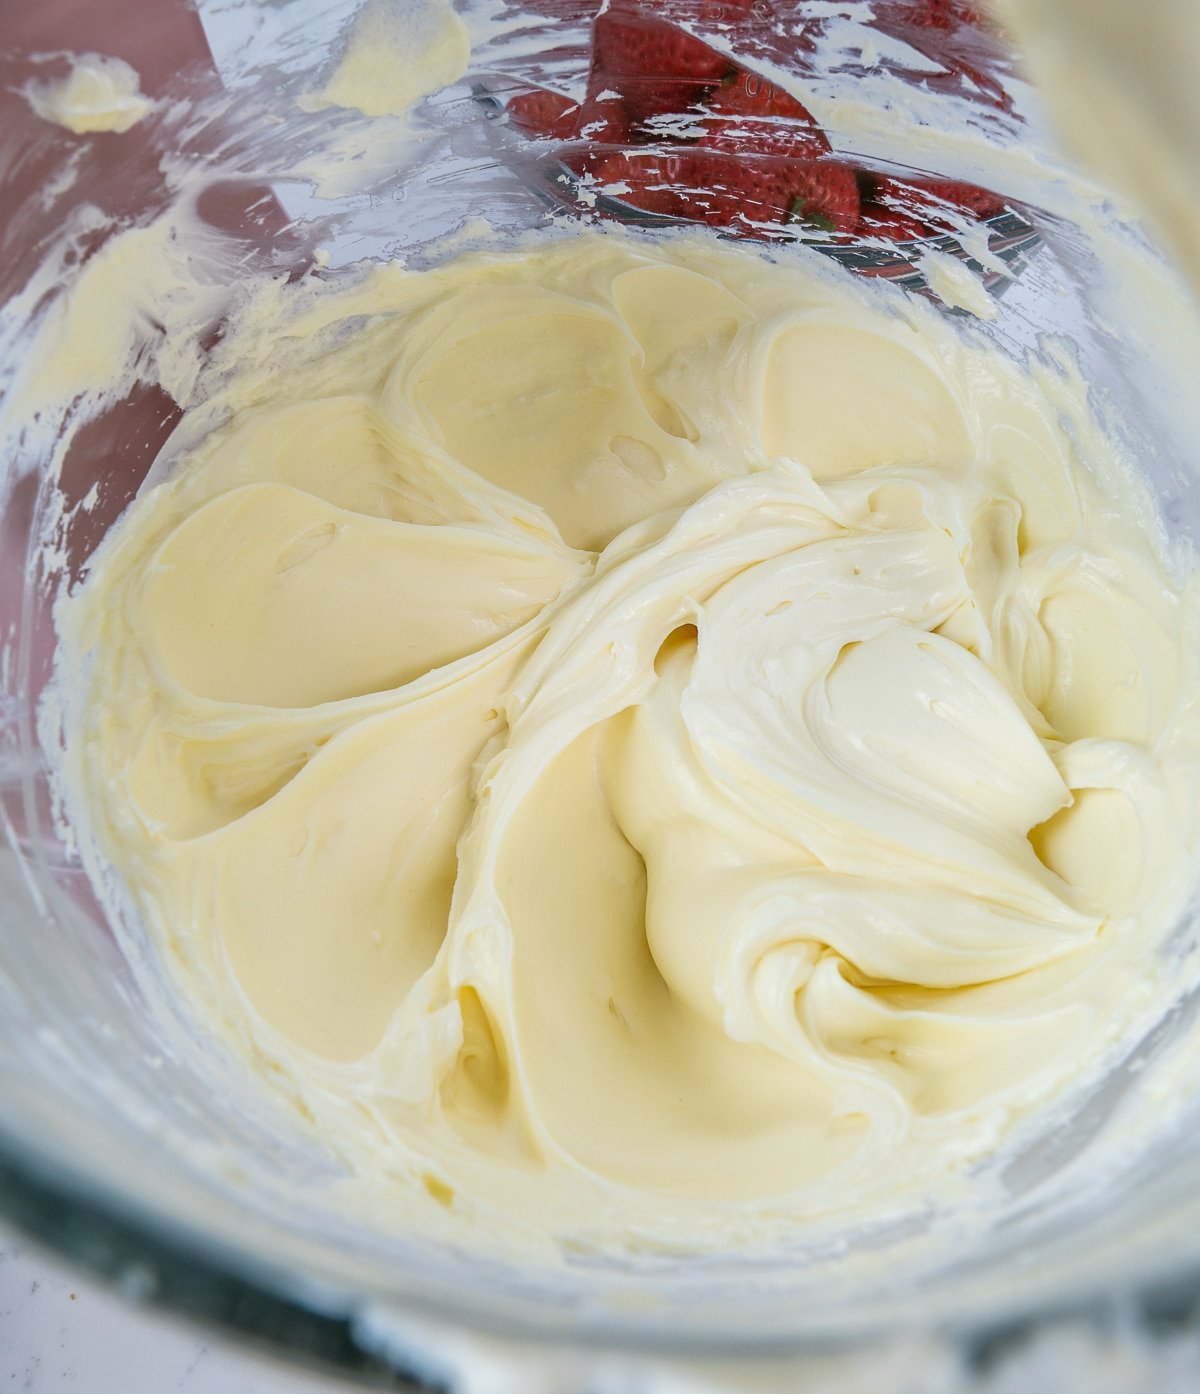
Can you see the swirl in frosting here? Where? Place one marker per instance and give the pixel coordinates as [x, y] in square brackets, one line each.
[657, 743]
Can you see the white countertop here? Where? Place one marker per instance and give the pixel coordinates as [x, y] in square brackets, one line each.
[60, 1332]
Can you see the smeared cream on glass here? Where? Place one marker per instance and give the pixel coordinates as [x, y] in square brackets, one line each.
[396, 52]
[645, 744]
[100, 93]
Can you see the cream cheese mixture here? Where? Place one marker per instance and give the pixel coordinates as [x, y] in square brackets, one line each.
[100, 93]
[643, 743]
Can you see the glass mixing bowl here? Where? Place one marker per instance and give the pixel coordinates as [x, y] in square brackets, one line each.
[133, 1143]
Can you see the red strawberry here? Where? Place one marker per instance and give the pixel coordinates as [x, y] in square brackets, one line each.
[750, 116]
[724, 190]
[656, 67]
[929, 203]
[824, 195]
[654, 181]
[947, 13]
[953, 34]
[544, 113]
[877, 221]
[939, 14]
[968, 198]
[603, 121]
[930, 14]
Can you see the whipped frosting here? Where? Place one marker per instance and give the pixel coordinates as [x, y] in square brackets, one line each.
[395, 53]
[100, 93]
[643, 743]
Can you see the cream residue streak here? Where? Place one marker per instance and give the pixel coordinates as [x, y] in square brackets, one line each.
[99, 94]
[655, 744]
[397, 52]
[956, 285]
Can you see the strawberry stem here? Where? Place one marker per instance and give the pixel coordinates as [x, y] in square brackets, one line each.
[797, 214]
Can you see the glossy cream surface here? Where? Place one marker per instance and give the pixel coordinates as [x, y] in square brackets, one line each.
[643, 744]
[99, 93]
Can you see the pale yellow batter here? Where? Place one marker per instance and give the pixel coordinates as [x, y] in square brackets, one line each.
[100, 93]
[643, 744]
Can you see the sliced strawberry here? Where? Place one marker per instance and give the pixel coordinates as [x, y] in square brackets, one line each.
[891, 204]
[967, 198]
[654, 181]
[724, 190]
[953, 34]
[544, 113]
[655, 67]
[948, 14]
[824, 195]
[932, 14]
[877, 221]
[603, 121]
[750, 116]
